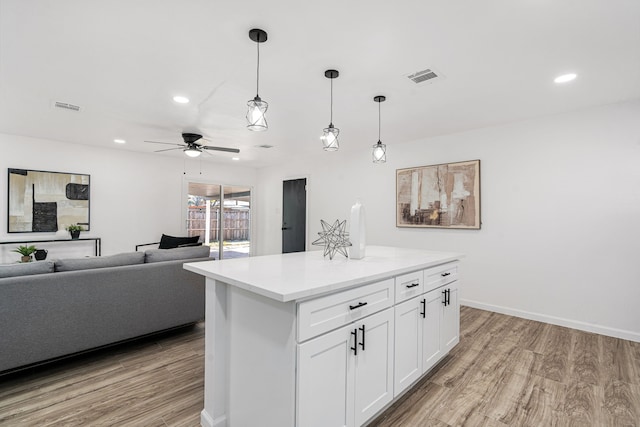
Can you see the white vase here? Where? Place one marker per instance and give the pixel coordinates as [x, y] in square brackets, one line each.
[357, 233]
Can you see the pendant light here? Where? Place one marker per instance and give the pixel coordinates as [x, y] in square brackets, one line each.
[379, 149]
[330, 135]
[257, 107]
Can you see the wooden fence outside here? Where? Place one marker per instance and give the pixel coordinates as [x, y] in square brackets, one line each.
[236, 224]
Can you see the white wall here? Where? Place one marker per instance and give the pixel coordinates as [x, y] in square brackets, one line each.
[135, 197]
[560, 237]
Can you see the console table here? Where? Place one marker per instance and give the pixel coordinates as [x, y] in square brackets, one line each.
[300, 340]
[97, 247]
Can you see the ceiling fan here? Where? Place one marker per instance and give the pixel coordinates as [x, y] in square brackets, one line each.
[191, 148]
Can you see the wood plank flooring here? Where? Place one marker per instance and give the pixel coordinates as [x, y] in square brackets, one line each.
[154, 382]
[506, 371]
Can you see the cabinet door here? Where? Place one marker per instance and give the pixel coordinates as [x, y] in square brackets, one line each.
[431, 333]
[451, 318]
[325, 380]
[408, 346]
[373, 365]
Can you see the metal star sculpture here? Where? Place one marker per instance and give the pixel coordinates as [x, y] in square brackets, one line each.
[334, 238]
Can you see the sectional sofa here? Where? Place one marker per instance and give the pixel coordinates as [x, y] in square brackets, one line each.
[52, 309]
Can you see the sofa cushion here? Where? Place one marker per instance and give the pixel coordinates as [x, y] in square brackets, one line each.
[127, 258]
[158, 255]
[170, 242]
[26, 269]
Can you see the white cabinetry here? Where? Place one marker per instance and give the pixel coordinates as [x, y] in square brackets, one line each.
[296, 340]
[450, 318]
[408, 355]
[346, 376]
[427, 327]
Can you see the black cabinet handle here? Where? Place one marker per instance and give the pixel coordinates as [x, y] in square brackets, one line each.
[447, 297]
[355, 341]
[424, 308]
[413, 285]
[362, 343]
[360, 304]
[285, 228]
[445, 274]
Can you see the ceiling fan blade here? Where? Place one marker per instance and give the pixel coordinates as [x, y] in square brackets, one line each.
[166, 143]
[228, 150]
[168, 149]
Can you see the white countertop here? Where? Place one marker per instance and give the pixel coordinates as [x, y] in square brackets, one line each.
[289, 277]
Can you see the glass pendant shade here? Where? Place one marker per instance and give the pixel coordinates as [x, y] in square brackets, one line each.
[256, 119]
[379, 153]
[330, 138]
[192, 152]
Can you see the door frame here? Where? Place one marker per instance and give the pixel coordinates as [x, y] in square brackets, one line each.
[306, 208]
[200, 180]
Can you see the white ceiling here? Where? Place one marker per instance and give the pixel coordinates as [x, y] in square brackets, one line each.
[123, 61]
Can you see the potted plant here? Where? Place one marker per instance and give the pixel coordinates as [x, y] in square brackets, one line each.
[26, 252]
[75, 230]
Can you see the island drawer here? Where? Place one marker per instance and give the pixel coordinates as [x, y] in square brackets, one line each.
[409, 285]
[441, 275]
[323, 314]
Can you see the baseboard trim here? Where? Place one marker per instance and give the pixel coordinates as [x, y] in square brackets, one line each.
[574, 324]
[207, 421]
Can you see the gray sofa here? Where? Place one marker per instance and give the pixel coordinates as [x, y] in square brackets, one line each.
[70, 306]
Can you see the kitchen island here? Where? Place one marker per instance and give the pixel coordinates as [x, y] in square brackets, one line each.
[300, 340]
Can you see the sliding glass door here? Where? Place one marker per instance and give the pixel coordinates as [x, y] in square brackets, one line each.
[221, 216]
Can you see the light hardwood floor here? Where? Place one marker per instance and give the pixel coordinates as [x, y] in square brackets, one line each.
[506, 371]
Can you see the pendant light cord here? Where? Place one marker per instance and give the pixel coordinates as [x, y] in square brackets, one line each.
[378, 122]
[258, 69]
[331, 117]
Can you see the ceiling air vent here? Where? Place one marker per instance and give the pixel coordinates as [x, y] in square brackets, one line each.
[66, 106]
[429, 75]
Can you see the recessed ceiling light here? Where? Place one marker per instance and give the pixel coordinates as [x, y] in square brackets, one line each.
[181, 99]
[235, 158]
[565, 78]
[119, 141]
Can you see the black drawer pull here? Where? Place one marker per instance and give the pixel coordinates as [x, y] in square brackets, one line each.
[445, 274]
[413, 285]
[360, 304]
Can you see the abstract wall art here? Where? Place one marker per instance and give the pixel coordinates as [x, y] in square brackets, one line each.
[439, 196]
[42, 201]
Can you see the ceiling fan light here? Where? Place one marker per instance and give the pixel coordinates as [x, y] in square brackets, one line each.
[256, 119]
[192, 152]
[330, 138]
[379, 153]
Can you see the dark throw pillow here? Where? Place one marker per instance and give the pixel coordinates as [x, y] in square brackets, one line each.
[171, 242]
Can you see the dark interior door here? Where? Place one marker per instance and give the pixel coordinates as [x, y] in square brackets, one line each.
[294, 213]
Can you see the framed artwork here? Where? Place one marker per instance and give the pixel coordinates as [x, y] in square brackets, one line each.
[42, 201]
[439, 196]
